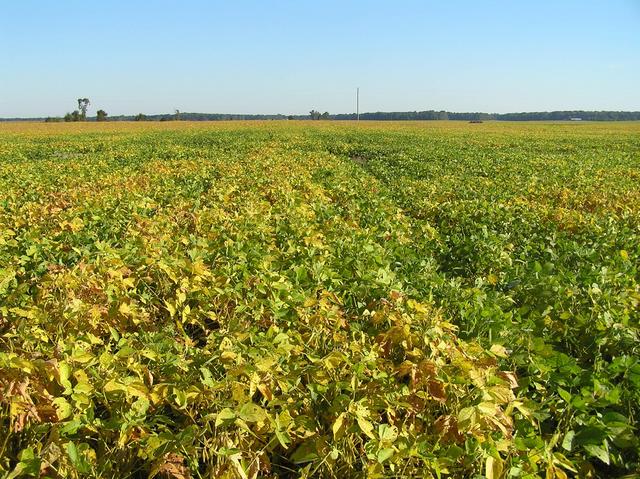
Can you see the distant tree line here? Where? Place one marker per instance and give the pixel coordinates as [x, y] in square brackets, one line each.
[567, 115]
[81, 115]
[201, 117]
[525, 116]
[401, 116]
[396, 115]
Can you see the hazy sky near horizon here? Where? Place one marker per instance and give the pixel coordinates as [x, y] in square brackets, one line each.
[289, 56]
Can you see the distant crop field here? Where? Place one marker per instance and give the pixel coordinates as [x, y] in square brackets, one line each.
[319, 299]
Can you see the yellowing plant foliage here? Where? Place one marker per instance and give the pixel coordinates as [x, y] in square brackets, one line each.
[291, 299]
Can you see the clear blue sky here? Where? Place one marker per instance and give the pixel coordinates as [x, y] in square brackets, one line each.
[250, 56]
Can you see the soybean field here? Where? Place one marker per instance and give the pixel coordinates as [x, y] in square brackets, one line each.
[319, 299]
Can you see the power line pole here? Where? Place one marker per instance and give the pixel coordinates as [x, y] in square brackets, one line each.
[358, 103]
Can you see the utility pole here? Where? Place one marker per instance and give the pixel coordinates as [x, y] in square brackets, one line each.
[358, 103]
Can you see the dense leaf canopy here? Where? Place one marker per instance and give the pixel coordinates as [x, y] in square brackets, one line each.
[319, 300]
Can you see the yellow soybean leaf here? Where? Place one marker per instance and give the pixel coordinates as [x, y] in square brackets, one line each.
[63, 408]
[366, 427]
[76, 224]
[493, 468]
[499, 350]
[339, 426]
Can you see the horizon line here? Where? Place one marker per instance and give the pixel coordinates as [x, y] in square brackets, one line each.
[299, 116]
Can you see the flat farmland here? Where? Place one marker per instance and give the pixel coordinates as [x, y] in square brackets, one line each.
[319, 299]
